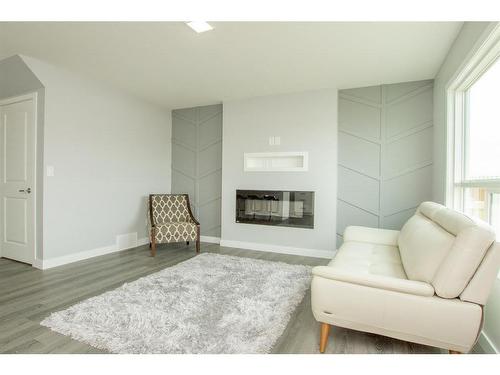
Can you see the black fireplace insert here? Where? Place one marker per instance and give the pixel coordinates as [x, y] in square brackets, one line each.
[272, 207]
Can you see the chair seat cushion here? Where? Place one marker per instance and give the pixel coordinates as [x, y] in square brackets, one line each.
[175, 232]
[367, 258]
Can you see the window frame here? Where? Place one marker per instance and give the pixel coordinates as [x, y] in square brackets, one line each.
[457, 95]
[457, 125]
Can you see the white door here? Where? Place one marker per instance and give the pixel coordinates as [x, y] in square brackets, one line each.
[17, 176]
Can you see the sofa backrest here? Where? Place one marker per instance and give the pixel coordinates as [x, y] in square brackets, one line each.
[443, 247]
[481, 284]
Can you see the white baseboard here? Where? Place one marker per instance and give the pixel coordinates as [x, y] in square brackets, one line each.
[142, 241]
[210, 239]
[486, 344]
[82, 255]
[314, 253]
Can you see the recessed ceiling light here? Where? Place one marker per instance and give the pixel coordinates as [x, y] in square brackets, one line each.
[199, 26]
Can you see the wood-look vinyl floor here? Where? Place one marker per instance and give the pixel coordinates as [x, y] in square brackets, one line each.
[28, 295]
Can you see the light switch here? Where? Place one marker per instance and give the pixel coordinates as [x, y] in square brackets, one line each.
[274, 141]
[50, 171]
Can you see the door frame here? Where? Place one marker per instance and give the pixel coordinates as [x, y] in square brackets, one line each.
[33, 96]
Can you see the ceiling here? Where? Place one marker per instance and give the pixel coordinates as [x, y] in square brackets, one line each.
[169, 64]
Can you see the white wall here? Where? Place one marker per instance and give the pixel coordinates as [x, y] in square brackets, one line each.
[470, 38]
[109, 150]
[305, 122]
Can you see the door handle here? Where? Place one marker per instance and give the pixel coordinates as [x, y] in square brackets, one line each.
[27, 191]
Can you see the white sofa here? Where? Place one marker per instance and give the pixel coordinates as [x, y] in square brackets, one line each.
[426, 283]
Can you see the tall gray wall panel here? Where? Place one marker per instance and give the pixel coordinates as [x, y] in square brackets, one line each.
[197, 162]
[385, 154]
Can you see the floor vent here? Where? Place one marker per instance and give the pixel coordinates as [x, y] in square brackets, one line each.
[126, 241]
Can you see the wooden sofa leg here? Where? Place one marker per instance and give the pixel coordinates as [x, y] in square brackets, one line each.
[323, 340]
[454, 352]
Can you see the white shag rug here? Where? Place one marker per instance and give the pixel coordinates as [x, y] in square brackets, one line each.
[208, 304]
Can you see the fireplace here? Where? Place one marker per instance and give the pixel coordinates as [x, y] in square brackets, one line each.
[272, 207]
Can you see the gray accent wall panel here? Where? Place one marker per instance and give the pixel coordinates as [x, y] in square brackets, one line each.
[359, 120]
[358, 190]
[352, 214]
[197, 162]
[360, 155]
[385, 154]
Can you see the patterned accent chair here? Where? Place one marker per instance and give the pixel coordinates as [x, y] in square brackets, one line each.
[172, 220]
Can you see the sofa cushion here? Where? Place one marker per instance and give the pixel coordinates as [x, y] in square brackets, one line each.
[423, 245]
[367, 258]
[371, 235]
[393, 284]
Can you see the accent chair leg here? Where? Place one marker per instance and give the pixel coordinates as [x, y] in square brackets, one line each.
[454, 352]
[153, 249]
[187, 243]
[323, 340]
[197, 239]
[153, 244]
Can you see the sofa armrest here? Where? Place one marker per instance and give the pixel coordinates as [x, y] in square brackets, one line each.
[372, 235]
[417, 288]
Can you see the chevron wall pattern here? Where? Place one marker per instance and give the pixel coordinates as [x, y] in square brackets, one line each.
[385, 154]
[197, 162]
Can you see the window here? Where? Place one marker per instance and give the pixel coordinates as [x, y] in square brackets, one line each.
[482, 142]
[474, 126]
[482, 148]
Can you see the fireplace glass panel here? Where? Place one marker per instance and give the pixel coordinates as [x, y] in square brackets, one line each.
[271, 207]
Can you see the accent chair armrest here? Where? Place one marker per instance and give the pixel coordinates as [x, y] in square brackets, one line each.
[193, 219]
[417, 288]
[372, 235]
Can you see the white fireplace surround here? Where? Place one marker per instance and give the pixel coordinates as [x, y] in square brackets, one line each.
[276, 161]
[305, 160]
